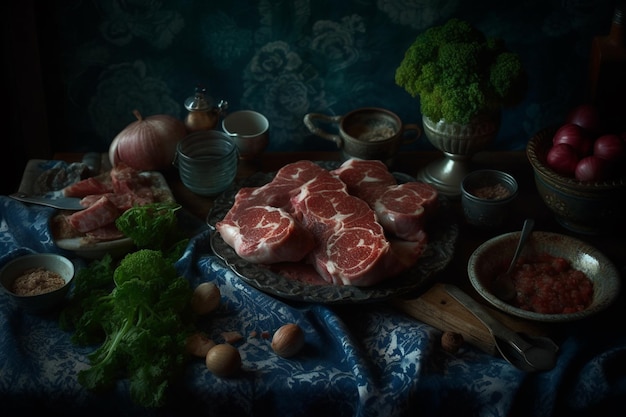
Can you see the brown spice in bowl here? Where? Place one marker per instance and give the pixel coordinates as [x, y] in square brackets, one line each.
[37, 281]
[377, 133]
[491, 192]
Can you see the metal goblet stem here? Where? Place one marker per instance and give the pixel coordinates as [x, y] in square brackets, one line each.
[458, 143]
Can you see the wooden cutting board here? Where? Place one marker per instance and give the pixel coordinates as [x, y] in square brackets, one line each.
[439, 309]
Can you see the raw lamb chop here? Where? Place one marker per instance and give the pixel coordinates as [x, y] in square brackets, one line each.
[400, 208]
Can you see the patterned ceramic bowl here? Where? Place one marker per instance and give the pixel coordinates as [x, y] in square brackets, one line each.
[582, 207]
[493, 257]
[34, 301]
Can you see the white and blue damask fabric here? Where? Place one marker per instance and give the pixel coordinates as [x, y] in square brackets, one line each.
[358, 360]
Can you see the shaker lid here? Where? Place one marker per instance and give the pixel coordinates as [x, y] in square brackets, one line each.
[198, 102]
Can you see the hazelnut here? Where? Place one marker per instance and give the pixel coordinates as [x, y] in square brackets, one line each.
[288, 340]
[205, 298]
[223, 360]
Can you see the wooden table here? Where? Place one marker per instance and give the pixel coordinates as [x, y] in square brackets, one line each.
[528, 204]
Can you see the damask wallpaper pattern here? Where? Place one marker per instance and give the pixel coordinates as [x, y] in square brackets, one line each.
[286, 58]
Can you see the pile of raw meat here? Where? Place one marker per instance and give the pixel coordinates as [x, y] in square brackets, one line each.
[105, 198]
[354, 225]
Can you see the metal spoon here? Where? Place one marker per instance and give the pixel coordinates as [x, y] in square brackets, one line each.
[528, 353]
[503, 286]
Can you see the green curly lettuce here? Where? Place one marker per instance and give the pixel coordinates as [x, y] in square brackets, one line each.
[139, 313]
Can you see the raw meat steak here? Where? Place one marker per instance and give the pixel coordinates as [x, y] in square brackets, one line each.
[349, 243]
[400, 208]
[351, 246]
[265, 234]
[406, 253]
[105, 197]
[276, 193]
[363, 177]
[259, 226]
[121, 201]
[88, 186]
[403, 255]
[100, 213]
[127, 180]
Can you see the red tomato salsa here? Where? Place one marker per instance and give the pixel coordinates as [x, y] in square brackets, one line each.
[549, 285]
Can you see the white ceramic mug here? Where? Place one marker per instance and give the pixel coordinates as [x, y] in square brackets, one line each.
[249, 130]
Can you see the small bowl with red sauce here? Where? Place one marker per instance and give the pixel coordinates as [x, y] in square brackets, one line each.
[558, 278]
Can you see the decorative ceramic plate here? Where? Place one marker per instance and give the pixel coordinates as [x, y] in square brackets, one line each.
[442, 237]
[38, 172]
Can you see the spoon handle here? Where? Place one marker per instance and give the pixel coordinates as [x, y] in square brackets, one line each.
[496, 328]
[527, 229]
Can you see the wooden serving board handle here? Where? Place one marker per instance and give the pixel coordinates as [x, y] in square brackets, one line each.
[439, 309]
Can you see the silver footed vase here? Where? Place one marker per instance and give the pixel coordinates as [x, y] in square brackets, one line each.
[458, 142]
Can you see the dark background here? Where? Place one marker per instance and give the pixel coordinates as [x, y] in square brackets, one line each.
[73, 70]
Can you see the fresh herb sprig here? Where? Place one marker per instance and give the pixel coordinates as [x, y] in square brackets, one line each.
[151, 226]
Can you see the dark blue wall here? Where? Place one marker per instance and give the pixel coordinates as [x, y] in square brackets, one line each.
[288, 58]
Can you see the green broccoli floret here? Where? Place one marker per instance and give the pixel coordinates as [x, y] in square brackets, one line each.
[144, 265]
[142, 325]
[509, 89]
[459, 73]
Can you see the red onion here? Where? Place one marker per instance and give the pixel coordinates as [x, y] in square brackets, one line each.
[609, 147]
[574, 136]
[148, 144]
[585, 116]
[563, 159]
[592, 168]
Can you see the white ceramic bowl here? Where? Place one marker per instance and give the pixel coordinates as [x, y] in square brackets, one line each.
[493, 256]
[42, 302]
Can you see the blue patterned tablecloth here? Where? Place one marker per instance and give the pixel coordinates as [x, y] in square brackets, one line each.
[359, 360]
